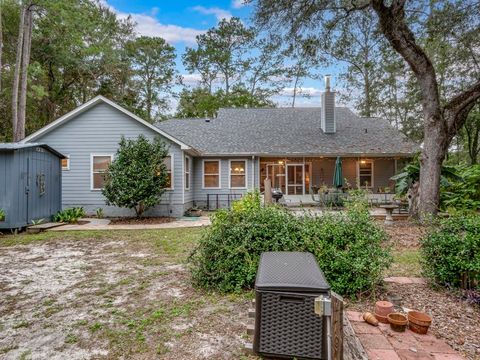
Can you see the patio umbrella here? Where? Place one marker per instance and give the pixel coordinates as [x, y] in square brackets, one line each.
[337, 174]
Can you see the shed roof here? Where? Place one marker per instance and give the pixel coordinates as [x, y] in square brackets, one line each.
[6, 147]
[292, 131]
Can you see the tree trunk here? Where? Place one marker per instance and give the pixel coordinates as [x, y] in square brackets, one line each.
[22, 103]
[16, 74]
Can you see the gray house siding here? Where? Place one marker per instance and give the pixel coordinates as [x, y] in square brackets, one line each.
[98, 131]
[200, 193]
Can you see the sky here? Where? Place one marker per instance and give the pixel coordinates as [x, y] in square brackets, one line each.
[180, 21]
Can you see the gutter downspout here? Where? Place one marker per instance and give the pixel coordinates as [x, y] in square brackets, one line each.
[253, 172]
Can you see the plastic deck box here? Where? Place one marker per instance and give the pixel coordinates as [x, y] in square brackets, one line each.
[286, 325]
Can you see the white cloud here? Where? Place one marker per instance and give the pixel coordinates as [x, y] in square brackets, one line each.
[191, 79]
[217, 12]
[237, 4]
[301, 91]
[148, 25]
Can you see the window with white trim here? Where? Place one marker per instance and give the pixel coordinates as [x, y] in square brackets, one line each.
[238, 178]
[211, 174]
[187, 173]
[99, 164]
[365, 173]
[168, 164]
[66, 163]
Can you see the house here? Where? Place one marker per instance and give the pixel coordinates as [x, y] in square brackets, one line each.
[213, 161]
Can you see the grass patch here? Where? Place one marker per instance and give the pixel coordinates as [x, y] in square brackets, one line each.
[405, 263]
[174, 244]
[21, 324]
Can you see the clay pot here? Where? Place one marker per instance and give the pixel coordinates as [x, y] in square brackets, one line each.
[383, 308]
[398, 322]
[382, 319]
[419, 322]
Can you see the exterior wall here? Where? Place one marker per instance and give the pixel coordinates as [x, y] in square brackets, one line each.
[200, 193]
[323, 170]
[98, 131]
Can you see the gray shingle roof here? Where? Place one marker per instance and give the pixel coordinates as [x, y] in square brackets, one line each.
[293, 131]
[8, 147]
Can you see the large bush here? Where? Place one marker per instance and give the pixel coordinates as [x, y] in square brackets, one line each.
[347, 246]
[451, 251]
[137, 178]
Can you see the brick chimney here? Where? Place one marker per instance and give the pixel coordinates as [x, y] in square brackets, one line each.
[328, 109]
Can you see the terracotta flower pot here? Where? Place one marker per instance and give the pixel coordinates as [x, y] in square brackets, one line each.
[419, 322]
[382, 319]
[383, 308]
[398, 322]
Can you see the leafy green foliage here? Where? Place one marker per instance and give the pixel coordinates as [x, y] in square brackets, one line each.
[71, 215]
[153, 62]
[347, 246]
[99, 213]
[2, 215]
[137, 178]
[451, 251]
[199, 102]
[465, 193]
[411, 174]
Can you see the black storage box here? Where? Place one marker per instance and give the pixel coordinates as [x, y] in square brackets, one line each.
[286, 325]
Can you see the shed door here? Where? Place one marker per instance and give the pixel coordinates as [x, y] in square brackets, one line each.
[39, 187]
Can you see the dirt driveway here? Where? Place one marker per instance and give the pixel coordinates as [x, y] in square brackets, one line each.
[110, 295]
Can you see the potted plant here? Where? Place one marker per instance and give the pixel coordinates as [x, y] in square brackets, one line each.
[2, 215]
[194, 212]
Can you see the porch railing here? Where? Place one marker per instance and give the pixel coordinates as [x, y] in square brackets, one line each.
[217, 200]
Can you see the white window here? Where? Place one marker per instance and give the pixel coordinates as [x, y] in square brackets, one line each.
[169, 164]
[238, 174]
[99, 164]
[187, 173]
[66, 163]
[211, 174]
[365, 173]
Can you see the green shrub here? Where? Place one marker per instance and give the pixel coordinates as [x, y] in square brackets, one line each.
[451, 251]
[2, 215]
[138, 176]
[69, 215]
[347, 246]
[464, 193]
[99, 213]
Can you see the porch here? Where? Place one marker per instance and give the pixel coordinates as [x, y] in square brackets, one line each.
[300, 177]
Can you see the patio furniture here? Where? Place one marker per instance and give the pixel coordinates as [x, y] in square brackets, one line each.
[389, 211]
[286, 324]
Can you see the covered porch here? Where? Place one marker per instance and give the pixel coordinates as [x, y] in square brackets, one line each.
[300, 177]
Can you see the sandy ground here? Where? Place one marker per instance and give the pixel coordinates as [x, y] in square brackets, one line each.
[97, 299]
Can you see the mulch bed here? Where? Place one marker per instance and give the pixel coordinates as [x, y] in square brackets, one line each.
[141, 221]
[454, 319]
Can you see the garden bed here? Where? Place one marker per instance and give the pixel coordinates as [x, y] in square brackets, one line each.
[454, 319]
[141, 220]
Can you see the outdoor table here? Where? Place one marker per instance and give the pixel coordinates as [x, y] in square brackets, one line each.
[389, 210]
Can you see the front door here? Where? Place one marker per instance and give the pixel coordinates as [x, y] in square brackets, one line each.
[295, 176]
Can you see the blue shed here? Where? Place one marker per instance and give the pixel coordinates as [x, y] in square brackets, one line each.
[30, 183]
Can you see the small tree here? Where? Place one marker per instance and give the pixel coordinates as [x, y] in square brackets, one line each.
[137, 177]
